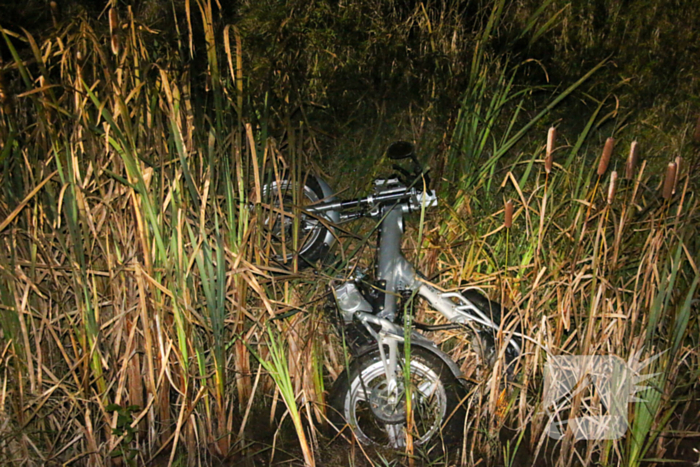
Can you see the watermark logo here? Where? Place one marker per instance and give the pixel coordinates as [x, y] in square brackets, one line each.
[599, 387]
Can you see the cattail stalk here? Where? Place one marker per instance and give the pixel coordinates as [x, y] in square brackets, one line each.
[605, 158]
[508, 223]
[549, 160]
[696, 134]
[631, 161]
[670, 180]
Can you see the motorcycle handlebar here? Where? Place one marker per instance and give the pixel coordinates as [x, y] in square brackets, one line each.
[396, 195]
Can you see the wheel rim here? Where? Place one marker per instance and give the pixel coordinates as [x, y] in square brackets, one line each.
[280, 221]
[429, 402]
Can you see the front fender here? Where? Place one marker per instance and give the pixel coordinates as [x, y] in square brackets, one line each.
[421, 341]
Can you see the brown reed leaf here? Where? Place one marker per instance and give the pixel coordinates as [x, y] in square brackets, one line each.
[113, 27]
[551, 139]
[612, 186]
[670, 180]
[696, 134]
[605, 158]
[678, 173]
[508, 222]
[20, 206]
[631, 161]
[115, 45]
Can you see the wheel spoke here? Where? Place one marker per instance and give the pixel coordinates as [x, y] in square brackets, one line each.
[309, 223]
[427, 388]
[361, 396]
[397, 435]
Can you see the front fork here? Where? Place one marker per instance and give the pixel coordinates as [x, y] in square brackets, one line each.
[390, 365]
[389, 335]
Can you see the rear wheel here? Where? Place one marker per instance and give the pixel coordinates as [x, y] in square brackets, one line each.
[485, 340]
[376, 413]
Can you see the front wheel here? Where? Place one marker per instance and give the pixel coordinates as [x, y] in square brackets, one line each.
[376, 413]
[291, 233]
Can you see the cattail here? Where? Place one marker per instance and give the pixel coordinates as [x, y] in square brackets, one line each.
[548, 160]
[113, 26]
[631, 161]
[113, 20]
[605, 158]
[54, 12]
[3, 88]
[670, 180]
[4, 92]
[5, 96]
[611, 187]
[696, 135]
[678, 173]
[508, 222]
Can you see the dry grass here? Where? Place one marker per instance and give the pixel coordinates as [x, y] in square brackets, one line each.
[131, 271]
[134, 273]
[594, 274]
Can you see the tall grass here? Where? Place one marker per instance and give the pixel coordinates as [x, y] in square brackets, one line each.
[596, 274]
[128, 250]
[133, 272]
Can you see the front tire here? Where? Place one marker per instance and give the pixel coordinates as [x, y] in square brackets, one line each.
[377, 416]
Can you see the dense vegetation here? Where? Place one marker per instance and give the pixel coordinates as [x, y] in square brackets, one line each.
[136, 295]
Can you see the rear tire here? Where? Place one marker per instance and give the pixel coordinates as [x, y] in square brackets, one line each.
[485, 340]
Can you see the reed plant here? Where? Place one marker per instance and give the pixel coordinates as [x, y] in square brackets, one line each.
[135, 282]
[594, 276]
[135, 302]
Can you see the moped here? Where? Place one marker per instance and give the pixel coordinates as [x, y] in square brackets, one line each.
[371, 396]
